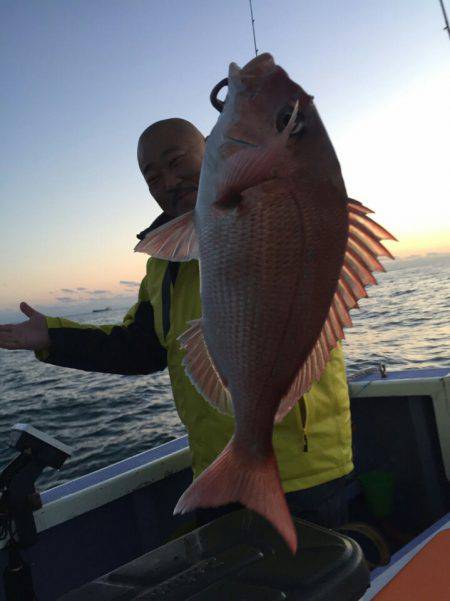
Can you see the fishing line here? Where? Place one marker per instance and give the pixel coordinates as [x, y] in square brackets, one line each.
[253, 26]
[444, 12]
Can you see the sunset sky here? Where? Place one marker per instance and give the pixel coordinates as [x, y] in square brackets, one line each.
[82, 79]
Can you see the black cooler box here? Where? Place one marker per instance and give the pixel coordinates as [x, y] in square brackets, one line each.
[239, 557]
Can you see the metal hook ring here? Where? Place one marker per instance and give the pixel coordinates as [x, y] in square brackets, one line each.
[218, 104]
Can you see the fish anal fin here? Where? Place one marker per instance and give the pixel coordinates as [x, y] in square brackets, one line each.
[174, 241]
[201, 370]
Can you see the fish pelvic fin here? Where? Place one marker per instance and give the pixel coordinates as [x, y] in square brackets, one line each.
[360, 260]
[235, 476]
[174, 241]
[201, 369]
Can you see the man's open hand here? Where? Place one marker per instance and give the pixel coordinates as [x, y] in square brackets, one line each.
[31, 335]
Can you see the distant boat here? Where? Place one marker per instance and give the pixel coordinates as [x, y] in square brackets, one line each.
[101, 310]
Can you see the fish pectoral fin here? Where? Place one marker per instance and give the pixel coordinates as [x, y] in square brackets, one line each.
[174, 241]
[360, 260]
[201, 370]
[228, 201]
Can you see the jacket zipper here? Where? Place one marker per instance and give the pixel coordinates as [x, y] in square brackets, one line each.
[304, 419]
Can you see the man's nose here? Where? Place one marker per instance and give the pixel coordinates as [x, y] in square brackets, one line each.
[170, 180]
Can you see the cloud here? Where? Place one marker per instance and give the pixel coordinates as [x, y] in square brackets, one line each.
[65, 299]
[68, 290]
[81, 288]
[98, 291]
[130, 284]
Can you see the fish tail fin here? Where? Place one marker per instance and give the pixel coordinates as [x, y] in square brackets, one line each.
[237, 477]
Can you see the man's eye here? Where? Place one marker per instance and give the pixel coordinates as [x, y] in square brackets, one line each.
[176, 160]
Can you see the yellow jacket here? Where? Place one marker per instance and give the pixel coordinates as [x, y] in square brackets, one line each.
[312, 443]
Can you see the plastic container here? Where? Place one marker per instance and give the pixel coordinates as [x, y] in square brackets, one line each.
[239, 557]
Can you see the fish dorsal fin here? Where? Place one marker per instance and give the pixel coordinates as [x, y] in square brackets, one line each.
[174, 241]
[201, 370]
[360, 260]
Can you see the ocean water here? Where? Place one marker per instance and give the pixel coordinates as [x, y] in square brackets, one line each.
[405, 323]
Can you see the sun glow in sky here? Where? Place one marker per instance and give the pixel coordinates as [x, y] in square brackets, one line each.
[82, 79]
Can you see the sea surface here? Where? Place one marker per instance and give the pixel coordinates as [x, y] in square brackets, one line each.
[405, 323]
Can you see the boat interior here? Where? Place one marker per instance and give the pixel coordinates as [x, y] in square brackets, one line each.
[90, 528]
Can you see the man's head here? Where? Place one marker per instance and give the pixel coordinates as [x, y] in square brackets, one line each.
[170, 154]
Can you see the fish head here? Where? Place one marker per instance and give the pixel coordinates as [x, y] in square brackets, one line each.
[263, 104]
[268, 128]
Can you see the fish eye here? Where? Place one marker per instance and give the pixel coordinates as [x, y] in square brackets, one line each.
[283, 119]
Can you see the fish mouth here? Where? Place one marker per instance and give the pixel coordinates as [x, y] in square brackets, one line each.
[242, 142]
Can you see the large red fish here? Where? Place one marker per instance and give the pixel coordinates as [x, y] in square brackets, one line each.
[284, 255]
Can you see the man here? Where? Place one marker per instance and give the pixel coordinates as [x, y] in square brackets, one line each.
[312, 443]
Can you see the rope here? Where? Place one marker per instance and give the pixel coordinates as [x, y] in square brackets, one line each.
[380, 368]
[374, 536]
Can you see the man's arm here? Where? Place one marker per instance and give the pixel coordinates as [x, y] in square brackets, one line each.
[130, 348]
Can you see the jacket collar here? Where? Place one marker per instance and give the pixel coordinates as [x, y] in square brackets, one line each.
[160, 220]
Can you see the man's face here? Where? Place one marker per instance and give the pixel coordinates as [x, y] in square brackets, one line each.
[170, 159]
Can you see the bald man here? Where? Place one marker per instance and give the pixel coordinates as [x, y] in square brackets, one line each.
[312, 443]
[170, 155]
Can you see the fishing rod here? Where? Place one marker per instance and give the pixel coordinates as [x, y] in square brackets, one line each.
[253, 26]
[447, 27]
[216, 102]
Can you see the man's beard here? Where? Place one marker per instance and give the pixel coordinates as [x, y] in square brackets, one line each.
[180, 197]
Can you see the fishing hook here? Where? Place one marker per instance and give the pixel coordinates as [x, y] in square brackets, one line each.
[218, 104]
